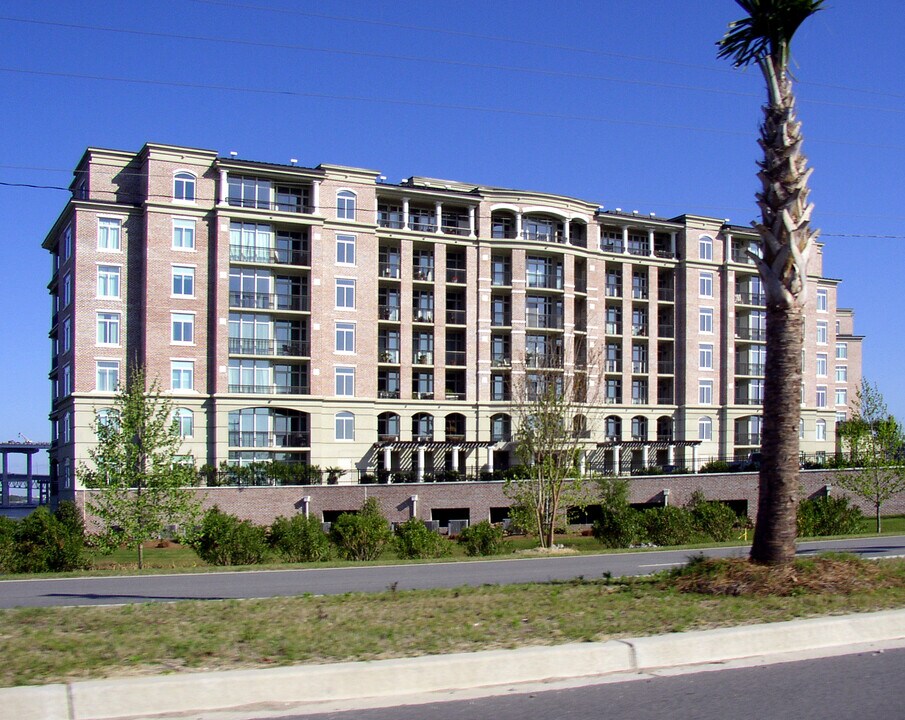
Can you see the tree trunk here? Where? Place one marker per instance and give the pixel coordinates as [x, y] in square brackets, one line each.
[141, 556]
[777, 506]
[878, 518]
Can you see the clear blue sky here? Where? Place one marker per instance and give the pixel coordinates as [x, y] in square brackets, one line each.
[621, 102]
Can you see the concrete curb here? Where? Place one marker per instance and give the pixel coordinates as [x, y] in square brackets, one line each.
[231, 690]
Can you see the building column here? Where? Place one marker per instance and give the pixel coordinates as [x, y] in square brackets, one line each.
[306, 505]
[670, 454]
[583, 463]
[672, 243]
[405, 213]
[387, 457]
[419, 477]
[617, 459]
[565, 232]
[224, 188]
[472, 230]
[455, 458]
[518, 225]
[650, 243]
[490, 458]
[694, 458]
[625, 240]
[315, 196]
[438, 209]
[644, 462]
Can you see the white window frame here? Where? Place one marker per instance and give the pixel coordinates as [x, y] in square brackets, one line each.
[67, 334]
[820, 430]
[705, 356]
[108, 276]
[104, 237]
[822, 365]
[345, 293]
[184, 180]
[346, 204]
[823, 332]
[705, 428]
[344, 381]
[111, 322]
[67, 289]
[705, 392]
[344, 338]
[823, 300]
[106, 369]
[705, 247]
[705, 321]
[345, 248]
[841, 396]
[185, 369]
[705, 285]
[184, 234]
[841, 373]
[821, 396]
[181, 321]
[182, 271]
[842, 351]
[344, 426]
[185, 422]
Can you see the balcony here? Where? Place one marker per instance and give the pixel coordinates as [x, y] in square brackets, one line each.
[390, 313]
[422, 316]
[455, 317]
[392, 270]
[612, 366]
[259, 439]
[455, 357]
[639, 329]
[666, 331]
[639, 366]
[422, 358]
[423, 274]
[665, 367]
[547, 236]
[611, 246]
[269, 389]
[545, 282]
[549, 361]
[544, 321]
[501, 319]
[755, 334]
[751, 298]
[423, 395]
[748, 439]
[613, 328]
[455, 275]
[639, 293]
[296, 204]
[666, 294]
[613, 290]
[501, 279]
[501, 361]
[742, 398]
[388, 356]
[746, 368]
[455, 226]
[452, 395]
[665, 399]
[639, 400]
[269, 256]
[269, 301]
[664, 254]
[256, 346]
[388, 394]
[639, 250]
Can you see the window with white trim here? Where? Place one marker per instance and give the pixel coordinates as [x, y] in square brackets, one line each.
[823, 332]
[182, 374]
[822, 300]
[706, 285]
[705, 356]
[66, 381]
[66, 426]
[820, 430]
[841, 396]
[705, 428]
[821, 365]
[345, 426]
[705, 392]
[67, 290]
[183, 234]
[345, 337]
[841, 373]
[185, 422]
[184, 187]
[109, 231]
[705, 247]
[345, 249]
[183, 281]
[841, 351]
[345, 293]
[345, 205]
[706, 320]
[108, 281]
[67, 334]
[107, 328]
[345, 381]
[183, 328]
[821, 396]
[107, 375]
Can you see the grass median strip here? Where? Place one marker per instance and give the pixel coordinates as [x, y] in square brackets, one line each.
[57, 644]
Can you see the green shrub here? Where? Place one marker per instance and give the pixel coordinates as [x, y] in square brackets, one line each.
[716, 466]
[49, 542]
[712, 519]
[414, 540]
[828, 516]
[224, 539]
[299, 539]
[619, 527]
[670, 525]
[7, 543]
[361, 535]
[482, 539]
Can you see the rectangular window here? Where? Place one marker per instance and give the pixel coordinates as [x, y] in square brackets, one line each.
[841, 351]
[107, 375]
[706, 285]
[66, 381]
[108, 328]
[108, 234]
[821, 365]
[822, 300]
[182, 374]
[107, 281]
[822, 332]
[183, 325]
[705, 392]
[67, 335]
[345, 293]
[183, 234]
[345, 249]
[821, 396]
[820, 430]
[841, 373]
[705, 355]
[706, 320]
[67, 290]
[183, 281]
[841, 396]
[345, 337]
[345, 381]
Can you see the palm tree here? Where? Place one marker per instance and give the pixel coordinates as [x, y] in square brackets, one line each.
[786, 241]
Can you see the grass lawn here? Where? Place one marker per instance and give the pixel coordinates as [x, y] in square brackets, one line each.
[47, 645]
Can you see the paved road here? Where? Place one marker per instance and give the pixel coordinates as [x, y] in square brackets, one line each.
[865, 685]
[334, 581]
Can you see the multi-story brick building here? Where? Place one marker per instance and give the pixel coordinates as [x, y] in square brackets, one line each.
[325, 316]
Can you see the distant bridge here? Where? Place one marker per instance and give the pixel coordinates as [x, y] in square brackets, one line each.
[32, 490]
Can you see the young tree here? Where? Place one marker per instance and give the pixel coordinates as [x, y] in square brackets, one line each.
[549, 407]
[764, 38]
[875, 442]
[141, 488]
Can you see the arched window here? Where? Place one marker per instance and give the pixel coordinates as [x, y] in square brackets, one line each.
[639, 428]
[185, 422]
[423, 426]
[580, 427]
[388, 426]
[345, 426]
[821, 430]
[455, 427]
[705, 247]
[345, 205]
[184, 187]
[613, 428]
[500, 428]
[664, 428]
[705, 428]
[107, 417]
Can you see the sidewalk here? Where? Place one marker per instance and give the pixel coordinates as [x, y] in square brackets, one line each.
[294, 689]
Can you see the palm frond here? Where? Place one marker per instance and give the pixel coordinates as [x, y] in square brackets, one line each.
[767, 31]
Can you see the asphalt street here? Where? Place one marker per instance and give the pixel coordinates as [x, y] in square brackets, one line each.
[333, 581]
